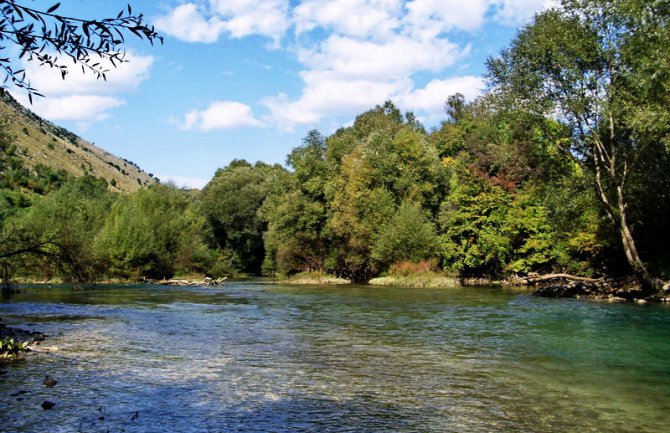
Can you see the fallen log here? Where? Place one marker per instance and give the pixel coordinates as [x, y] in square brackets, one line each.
[532, 280]
[207, 282]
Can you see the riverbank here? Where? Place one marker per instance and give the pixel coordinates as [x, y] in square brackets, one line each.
[417, 280]
[22, 341]
[311, 278]
[624, 289]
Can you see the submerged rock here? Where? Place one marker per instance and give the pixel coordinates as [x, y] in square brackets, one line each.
[47, 405]
[49, 382]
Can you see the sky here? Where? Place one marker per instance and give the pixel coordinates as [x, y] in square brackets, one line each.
[248, 79]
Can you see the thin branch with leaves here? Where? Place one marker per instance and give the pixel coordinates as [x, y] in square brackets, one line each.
[54, 40]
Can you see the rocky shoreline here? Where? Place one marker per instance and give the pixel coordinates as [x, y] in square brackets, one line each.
[20, 335]
[609, 290]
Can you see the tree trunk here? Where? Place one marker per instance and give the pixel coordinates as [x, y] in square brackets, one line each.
[649, 285]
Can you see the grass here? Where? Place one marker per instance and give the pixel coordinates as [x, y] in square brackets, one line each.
[313, 277]
[421, 274]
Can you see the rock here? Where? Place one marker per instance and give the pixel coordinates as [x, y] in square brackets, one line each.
[571, 290]
[49, 382]
[47, 405]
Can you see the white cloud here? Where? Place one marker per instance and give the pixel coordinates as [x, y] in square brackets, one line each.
[430, 99]
[358, 18]
[220, 115]
[328, 94]
[125, 77]
[239, 18]
[355, 53]
[187, 23]
[399, 56]
[80, 108]
[517, 12]
[81, 97]
[429, 18]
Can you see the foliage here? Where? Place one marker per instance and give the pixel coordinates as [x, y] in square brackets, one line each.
[44, 35]
[390, 162]
[597, 66]
[53, 235]
[408, 236]
[142, 234]
[9, 348]
[231, 203]
[477, 240]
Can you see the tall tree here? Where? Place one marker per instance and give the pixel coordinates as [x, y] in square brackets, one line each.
[583, 64]
[231, 202]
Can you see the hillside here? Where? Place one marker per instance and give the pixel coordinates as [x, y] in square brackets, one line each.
[41, 142]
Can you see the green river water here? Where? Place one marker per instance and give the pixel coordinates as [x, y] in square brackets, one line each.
[254, 357]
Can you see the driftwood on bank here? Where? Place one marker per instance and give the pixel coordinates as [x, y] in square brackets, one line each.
[535, 279]
[207, 282]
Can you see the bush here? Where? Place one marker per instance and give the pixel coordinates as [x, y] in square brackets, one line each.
[410, 268]
[9, 348]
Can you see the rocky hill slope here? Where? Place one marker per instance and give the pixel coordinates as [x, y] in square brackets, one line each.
[41, 142]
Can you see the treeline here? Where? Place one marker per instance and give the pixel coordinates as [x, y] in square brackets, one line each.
[562, 166]
[488, 194]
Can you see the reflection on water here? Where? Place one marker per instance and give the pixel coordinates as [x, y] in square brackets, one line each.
[262, 358]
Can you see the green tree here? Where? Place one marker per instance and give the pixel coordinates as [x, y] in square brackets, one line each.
[141, 235]
[390, 162]
[593, 65]
[477, 239]
[409, 236]
[297, 237]
[54, 234]
[231, 202]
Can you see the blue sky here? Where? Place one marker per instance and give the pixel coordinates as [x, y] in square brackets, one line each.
[249, 78]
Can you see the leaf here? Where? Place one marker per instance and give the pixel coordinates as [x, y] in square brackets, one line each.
[53, 8]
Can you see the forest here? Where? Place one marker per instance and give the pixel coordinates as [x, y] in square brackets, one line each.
[560, 166]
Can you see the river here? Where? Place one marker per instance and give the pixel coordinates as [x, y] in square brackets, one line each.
[254, 357]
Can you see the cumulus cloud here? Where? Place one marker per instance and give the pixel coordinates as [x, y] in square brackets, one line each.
[328, 94]
[355, 53]
[357, 18]
[220, 115]
[79, 108]
[429, 18]
[81, 97]
[517, 12]
[187, 23]
[396, 57]
[125, 77]
[239, 18]
[431, 98]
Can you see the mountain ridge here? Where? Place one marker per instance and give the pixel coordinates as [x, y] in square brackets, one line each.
[41, 142]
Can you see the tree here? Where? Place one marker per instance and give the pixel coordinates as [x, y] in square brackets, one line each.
[56, 231]
[141, 233]
[47, 37]
[390, 162]
[408, 236]
[231, 202]
[596, 66]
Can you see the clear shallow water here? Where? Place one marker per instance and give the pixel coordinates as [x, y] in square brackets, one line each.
[250, 357]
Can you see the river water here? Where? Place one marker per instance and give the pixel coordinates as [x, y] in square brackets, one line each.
[253, 357]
